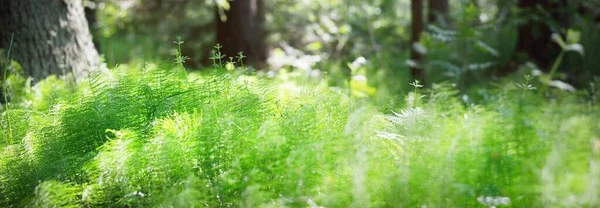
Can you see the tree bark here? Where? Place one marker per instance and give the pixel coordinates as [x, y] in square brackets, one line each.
[534, 35]
[417, 26]
[91, 15]
[438, 13]
[50, 37]
[243, 31]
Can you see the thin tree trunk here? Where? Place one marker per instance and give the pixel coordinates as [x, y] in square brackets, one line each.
[417, 26]
[51, 37]
[243, 31]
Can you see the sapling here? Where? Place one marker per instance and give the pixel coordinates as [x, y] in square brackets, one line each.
[240, 58]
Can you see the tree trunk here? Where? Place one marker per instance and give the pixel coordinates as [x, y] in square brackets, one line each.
[534, 35]
[417, 26]
[438, 13]
[50, 37]
[91, 15]
[243, 31]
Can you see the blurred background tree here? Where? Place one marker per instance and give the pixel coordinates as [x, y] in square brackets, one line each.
[240, 28]
[417, 26]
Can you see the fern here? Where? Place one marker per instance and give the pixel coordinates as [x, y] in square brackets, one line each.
[153, 137]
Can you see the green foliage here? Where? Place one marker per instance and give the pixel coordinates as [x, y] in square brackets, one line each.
[158, 137]
[142, 30]
[306, 37]
[56, 194]
[470, 51]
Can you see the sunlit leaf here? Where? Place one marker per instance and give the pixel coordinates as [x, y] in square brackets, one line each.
[573, 36]
[562, 85]
[575, 47]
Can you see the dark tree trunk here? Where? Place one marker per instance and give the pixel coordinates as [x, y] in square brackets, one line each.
[243, 31]
[50, 36]
[91, 15]
[438, 13]
[535, 34]
[417, 26]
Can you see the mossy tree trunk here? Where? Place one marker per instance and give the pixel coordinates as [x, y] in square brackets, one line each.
[50, 37]
[243, 31]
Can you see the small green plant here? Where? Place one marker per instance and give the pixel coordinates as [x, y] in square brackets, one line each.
[240, 58]
[217, 57]
[571, 44]
[415, 97]
[180, 58]
[526, 86]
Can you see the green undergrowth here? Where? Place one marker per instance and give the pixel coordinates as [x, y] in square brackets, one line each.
[158, 137]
